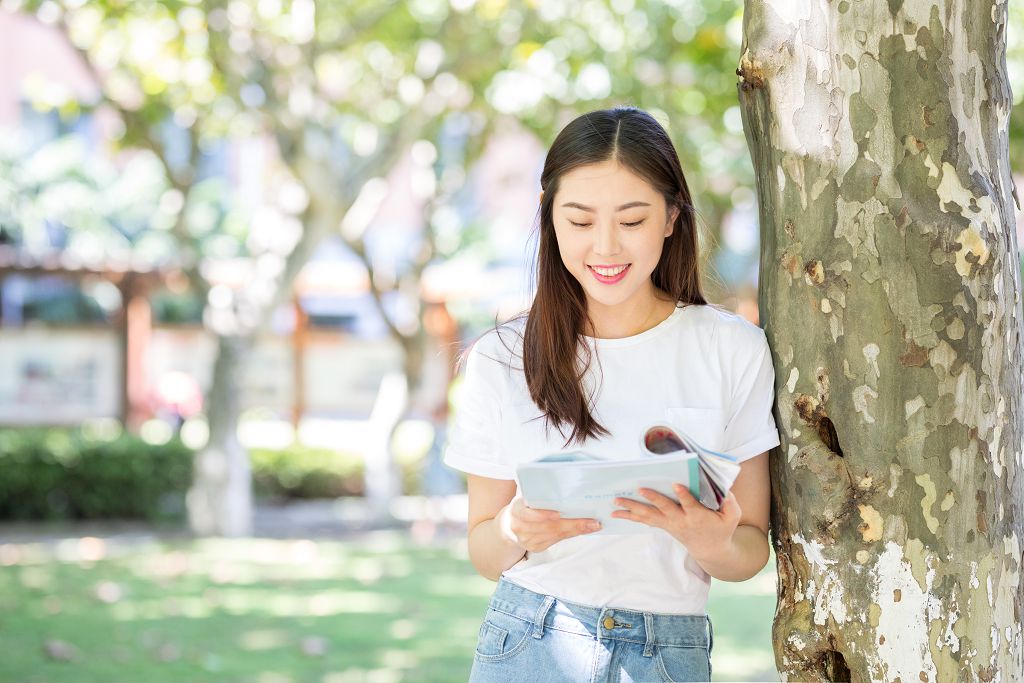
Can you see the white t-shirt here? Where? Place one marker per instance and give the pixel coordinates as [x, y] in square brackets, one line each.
[706, 369]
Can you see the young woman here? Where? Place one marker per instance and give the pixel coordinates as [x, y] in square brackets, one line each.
[618, 337]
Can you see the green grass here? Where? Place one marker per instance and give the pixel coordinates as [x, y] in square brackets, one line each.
[379, 609]
[741, 614]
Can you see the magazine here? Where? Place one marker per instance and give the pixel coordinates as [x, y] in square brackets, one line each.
[579, 484]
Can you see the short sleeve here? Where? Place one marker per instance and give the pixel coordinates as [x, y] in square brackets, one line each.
[473, 444]
[751, 428]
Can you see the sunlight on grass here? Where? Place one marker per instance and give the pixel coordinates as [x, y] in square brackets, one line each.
[266, 639]
[275, 677]
[364, 676]
[37, 578]
[402, 629]
[382, 609]
[399, 659]
[143, 610]
[253, 609]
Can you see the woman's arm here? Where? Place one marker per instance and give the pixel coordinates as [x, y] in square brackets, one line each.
[501, 529]
[490, 551]
[747, 551]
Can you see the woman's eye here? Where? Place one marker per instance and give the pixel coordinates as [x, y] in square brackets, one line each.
[586, 225]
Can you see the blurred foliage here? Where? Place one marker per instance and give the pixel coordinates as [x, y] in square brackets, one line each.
[303, 472]
[54, 474]
[334, 85]
[176, 309]
[1015, 74]
[70, 474]
[62, 195]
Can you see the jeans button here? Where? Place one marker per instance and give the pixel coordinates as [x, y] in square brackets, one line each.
[609, 623]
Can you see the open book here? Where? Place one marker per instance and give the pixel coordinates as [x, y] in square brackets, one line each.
[578, 484]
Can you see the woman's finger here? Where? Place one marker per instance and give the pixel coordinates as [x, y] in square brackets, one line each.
[641, 511]
[630, 504]
[667, 505]
[538, 514]
[686, 500]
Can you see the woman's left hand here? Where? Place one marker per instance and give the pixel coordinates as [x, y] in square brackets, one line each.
[704, 532]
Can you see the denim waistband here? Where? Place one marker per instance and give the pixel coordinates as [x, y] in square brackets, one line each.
[610, 623]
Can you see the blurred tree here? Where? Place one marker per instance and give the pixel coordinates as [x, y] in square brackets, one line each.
[891, 294]
[340, 91]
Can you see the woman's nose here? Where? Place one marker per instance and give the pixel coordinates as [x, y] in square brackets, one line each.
[606, 239]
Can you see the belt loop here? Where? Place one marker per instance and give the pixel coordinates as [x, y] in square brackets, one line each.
[538, 620]
[711, 635]
[649, 627]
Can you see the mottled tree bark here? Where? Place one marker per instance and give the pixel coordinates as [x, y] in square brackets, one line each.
[890, 295]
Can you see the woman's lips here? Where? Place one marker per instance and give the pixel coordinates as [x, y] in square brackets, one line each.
[609, 280]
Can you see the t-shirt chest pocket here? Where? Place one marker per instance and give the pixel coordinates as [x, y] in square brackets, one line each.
[705, 425]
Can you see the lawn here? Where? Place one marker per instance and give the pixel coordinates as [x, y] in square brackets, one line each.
[380, 608]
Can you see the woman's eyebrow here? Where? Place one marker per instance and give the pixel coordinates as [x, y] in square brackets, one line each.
[628, 205]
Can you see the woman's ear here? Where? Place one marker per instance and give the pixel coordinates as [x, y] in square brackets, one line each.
[673, 215]
[542, 196]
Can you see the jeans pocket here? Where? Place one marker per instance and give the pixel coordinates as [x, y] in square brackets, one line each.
[677, 664]
[501, 636]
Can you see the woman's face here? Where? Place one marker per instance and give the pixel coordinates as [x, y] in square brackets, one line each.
[608, 218]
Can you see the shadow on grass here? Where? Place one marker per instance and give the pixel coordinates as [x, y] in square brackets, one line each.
[380, 609]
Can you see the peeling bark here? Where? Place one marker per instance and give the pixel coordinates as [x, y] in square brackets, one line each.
[891, 298]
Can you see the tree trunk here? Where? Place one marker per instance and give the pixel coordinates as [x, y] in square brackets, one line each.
[220, 500]
[382, 477]
[890, 295]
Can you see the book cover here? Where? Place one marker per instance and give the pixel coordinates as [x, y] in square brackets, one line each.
[578, 484]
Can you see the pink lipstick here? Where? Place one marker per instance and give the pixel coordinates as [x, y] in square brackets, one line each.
[610, 280]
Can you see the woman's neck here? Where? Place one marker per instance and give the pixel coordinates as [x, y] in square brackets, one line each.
[610, 323]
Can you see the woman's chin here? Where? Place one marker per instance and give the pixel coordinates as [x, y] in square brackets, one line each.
[608, 299]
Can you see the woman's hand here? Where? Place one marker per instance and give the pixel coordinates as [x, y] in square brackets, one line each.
[534, 529]
[704, 532]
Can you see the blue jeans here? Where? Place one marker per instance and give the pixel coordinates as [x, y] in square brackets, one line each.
[527, 636]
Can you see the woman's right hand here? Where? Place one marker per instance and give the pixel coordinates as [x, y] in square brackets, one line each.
[534, 529]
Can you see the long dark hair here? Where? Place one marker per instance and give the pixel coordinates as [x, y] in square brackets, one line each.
[555, 321]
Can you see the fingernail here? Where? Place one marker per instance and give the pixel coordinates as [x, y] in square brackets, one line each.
[593, 526]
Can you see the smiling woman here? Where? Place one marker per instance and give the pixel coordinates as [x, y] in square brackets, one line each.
[617, 281]
[614, 244]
